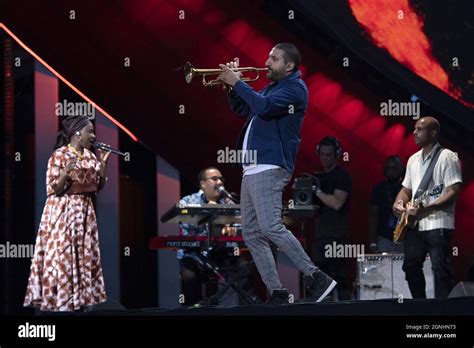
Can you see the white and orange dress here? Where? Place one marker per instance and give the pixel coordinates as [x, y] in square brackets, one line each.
[66, 272]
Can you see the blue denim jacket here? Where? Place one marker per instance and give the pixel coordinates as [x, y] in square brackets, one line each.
[279, 111]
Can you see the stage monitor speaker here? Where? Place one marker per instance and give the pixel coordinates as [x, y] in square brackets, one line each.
[462, 289]
[109, 305]
[381, 276]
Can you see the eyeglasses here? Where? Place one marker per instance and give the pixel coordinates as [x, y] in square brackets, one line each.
[215, 178]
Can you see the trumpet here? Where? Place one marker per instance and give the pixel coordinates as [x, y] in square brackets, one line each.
[190, 72]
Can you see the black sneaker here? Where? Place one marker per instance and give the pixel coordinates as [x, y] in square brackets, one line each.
[279, 297]
[319, 285]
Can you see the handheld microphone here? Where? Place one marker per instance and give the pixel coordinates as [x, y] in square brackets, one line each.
[228, 194]
[106, 147]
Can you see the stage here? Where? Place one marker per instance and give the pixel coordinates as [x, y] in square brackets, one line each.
[320, 125]
[461, 306]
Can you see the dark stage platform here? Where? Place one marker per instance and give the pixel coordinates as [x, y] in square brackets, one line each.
[461, 306]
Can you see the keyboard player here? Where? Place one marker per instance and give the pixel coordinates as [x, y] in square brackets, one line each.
[192, 277]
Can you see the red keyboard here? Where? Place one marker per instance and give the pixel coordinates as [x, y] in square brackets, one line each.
[187, 242]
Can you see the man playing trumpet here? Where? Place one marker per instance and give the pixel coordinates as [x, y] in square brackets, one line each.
[272, 129]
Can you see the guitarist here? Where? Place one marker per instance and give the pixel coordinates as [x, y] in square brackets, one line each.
[434, 219]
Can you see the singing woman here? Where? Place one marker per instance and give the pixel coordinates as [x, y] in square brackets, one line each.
[66, 272]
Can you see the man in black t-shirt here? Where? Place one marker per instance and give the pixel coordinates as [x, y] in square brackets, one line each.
[333, 189]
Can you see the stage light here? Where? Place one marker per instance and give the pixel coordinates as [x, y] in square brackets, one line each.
[69, 84]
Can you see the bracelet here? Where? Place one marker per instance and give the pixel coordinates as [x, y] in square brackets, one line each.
[318, 192]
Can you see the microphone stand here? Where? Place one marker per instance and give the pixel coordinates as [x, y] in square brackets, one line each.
[229, 196]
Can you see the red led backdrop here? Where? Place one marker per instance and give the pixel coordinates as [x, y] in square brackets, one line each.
[396, 27]
[146, 97]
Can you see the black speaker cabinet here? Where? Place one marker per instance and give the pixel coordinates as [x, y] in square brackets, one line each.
[109, 305]
[302, 191]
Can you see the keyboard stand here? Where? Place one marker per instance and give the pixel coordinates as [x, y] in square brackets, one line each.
[227, 282]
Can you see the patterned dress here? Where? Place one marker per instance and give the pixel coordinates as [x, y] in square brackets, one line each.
[66, 273]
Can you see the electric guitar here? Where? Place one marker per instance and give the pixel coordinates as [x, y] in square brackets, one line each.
[406, 221]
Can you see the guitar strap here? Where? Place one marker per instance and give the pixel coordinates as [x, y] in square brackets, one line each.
[429, 172]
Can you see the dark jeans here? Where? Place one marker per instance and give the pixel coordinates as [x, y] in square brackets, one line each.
[335, 267]
[436, 244]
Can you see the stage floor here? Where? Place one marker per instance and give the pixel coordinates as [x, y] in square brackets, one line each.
[460, 306]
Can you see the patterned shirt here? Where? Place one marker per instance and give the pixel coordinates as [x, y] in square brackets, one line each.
[447, 171]
[197, 198]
